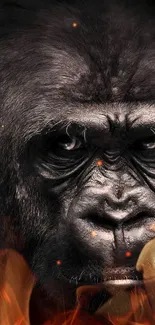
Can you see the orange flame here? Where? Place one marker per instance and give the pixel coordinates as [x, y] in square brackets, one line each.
[15, 289]
[17, 283]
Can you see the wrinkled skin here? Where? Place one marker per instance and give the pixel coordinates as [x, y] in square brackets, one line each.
[72, 96]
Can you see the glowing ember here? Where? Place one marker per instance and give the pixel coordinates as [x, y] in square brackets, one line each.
[58, 262]
[93, 233]
[128, 254]
[74, 25]
[99, 163]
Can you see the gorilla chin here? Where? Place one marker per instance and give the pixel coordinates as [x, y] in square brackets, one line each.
[77, 162]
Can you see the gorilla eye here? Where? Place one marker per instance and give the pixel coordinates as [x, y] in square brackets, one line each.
[145, 145]
[66, 143]
[148, 144]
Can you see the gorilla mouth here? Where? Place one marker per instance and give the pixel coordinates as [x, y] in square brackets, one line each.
[120, 273]
[122, 279]
[119, 276]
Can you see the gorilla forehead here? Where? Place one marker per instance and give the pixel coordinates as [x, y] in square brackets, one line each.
[109, 55]
[54, 68]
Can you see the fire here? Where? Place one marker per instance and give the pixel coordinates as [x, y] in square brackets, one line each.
[17, 283]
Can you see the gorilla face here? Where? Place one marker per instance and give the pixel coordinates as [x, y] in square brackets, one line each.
[77, 158]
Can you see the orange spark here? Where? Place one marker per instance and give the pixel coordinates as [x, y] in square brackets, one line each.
[99, 163]
[74, 25]
[93, 233]
[59, 262]
[128, 254]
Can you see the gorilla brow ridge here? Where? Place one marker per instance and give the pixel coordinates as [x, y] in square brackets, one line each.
[83, 133]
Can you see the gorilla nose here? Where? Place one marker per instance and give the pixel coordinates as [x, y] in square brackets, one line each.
[105, 208]
[119, 203]
[119, 211]
[112, 215]
[117, 216]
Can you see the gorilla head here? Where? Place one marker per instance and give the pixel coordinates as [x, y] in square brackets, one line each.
[77, 87]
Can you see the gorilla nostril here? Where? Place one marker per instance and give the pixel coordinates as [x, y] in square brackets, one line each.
[109, 213]
[119, 190]
[131, 204]
[100, 220]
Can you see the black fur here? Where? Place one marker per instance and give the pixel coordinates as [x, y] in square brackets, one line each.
[54, 78]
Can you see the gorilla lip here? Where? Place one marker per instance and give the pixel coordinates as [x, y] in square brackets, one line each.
[122, 274]
[119, 276]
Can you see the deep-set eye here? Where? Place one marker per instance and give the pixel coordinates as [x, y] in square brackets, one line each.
[148, 144]
[67, 143]
[145, 147]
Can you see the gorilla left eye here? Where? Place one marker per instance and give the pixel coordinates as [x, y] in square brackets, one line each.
[145, 145]
[69, 144]
[148, 144]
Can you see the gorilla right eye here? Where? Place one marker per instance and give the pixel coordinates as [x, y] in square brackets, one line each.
[69, 143]
[64, 147]
[146, 145]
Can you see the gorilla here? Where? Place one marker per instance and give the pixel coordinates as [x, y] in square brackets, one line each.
[77, 139]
